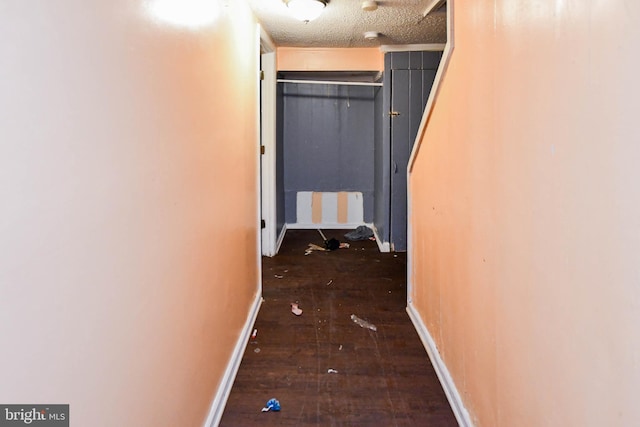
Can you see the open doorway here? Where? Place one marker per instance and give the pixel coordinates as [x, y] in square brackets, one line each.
[383, 203]
[328, 135]
[347, 137]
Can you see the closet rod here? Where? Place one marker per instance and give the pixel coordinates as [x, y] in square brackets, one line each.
[329, 82]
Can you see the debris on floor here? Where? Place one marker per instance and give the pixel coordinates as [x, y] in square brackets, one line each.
[363, 323]
[314, 247]
[272, 405]
[332, 371]
[295, 309]
[362, 232]
[254, 335]
[300, 351]
[329, 245]
[332, 244]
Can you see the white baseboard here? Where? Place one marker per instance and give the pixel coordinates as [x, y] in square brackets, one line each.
[220, 399]
[323, 226]
[382, 246]
[281, 238]
[457, 406]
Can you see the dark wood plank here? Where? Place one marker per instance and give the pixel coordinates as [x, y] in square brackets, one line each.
[384, 378]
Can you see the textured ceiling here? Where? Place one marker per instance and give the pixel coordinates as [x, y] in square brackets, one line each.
[343, 24]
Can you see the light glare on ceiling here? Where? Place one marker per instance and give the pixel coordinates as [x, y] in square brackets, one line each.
[306, 10]
[185, 13]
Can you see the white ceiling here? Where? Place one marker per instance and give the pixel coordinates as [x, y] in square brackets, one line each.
[343, 24]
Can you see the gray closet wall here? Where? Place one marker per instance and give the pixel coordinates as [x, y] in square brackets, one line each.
[328, 141]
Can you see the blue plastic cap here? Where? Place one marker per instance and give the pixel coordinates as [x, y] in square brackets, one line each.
[273, 405]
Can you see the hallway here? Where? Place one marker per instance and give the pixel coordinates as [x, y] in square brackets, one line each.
[130, 225]
[383, 377]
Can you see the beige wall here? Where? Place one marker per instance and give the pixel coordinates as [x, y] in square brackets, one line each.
[330, 59]
[128, 207]
[526, 213]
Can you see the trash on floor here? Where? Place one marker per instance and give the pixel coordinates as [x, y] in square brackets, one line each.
[361, 233]
[329, 282]
[332, 371]
[332, 244]
[340, 348]
[254, 335]
[363, 323]
[278, 276]
[314, 247]
[257, 350]
[325, 240]
[272, 405]
[295, 309]
[329, 245]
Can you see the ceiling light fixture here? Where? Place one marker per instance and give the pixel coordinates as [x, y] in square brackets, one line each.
[369, 5]
[306, 10]
[371, 35]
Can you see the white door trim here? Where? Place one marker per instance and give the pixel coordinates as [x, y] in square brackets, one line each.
[268, 125]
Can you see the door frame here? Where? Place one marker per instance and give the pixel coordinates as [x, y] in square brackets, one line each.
[267, 128]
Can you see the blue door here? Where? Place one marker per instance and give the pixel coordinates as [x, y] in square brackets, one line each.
[412, 76]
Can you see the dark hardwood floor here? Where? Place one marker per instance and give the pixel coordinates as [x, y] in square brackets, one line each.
[383, 378]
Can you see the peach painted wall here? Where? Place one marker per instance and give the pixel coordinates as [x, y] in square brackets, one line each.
[330, 59]
[526, 213]
[128, 194]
